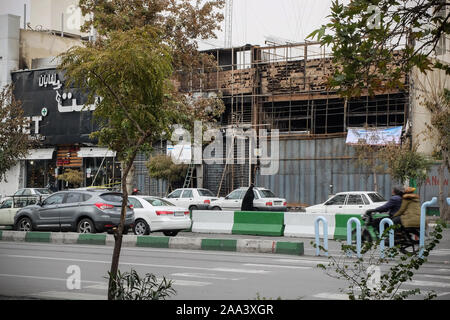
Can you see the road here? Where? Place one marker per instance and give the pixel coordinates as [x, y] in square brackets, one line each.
[34, 270]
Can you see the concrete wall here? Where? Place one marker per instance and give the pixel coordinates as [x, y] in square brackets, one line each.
[424, 86]
[13, 180]
[47, 14]
[38, 45]
[9, 47]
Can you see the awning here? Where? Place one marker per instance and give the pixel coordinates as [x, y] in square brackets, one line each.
[39, 154]
[95, 152]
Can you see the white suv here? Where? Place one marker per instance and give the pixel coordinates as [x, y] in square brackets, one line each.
[264, 200]
[191, 198]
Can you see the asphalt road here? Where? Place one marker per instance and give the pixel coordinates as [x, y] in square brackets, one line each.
[32, 270]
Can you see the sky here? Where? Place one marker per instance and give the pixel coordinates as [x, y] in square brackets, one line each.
[292, 20]
[253, 20]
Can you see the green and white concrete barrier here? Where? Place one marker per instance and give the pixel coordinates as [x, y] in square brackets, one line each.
[260, 223]
[185, 243]
[212, 221]
[301, 224]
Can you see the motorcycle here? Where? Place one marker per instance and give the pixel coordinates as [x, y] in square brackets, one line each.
[406, 238]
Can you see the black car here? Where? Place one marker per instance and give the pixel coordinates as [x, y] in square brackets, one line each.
[80, 211]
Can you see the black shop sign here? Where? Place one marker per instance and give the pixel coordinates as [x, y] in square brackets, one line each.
[58, 114]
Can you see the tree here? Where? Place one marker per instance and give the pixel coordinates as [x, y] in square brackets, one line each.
[14, 142]
[130, 71]
[72, 176]
[375, 42]
[162, 167]
[437, 101]
[182, 23]
[405, 163]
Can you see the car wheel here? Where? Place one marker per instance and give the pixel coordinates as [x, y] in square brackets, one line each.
[192, 208]
[217, 208]
[86, 226]
[24, 224]
[141, 228]
[171, 233]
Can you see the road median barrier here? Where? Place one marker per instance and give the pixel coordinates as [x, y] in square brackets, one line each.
[212, 221]
[88, 238]
[34, 236]
[152, 242]
[301, 224]
[340, 232]
[261, 223]
[182, 243]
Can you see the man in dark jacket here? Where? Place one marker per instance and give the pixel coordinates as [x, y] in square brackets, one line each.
[247, 202]
[393, 205]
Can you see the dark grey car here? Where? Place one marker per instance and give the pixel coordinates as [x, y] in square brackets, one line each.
[80, 211]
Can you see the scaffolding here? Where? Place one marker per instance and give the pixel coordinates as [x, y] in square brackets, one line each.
[284, 87]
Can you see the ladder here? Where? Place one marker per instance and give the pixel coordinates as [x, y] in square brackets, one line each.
[187, 179]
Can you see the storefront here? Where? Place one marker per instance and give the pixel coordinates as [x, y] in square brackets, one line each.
[60, 128]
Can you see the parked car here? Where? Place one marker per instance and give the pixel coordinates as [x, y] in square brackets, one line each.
[264, 200]
[7, 211]
[191, 198]
[80, 211]
[349, 202]
[44, 192]
[157, 214]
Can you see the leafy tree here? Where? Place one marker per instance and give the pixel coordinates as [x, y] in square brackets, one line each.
[14, 142]
[130, 68]
[162, 167]
[130, 71]
[405, 163]
[182, 23]
[376, 42]
[438, 103]
[74, 177]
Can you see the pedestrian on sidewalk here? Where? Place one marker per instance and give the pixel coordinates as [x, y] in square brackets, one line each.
[247, 202]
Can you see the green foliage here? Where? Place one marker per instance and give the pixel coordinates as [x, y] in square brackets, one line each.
[162, 167]
[130, 286]
[181, 23]
[130, 72]
[405, 163]
[72, 176]
[375, 43]
[14, 143]
[396, 268]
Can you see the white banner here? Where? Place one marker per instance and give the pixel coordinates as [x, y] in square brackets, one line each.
[375, 136]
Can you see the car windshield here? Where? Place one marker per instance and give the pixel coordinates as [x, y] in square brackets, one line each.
[376, 197]
[266, 193]
[157, 202]
[43, 191]
[205, 193]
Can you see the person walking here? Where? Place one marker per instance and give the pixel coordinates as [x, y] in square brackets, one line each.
[247, 202]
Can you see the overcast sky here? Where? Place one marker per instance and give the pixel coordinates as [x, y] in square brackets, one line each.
[292, 20]
[253, 20]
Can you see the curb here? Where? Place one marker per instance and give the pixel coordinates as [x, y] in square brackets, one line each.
[185, 243]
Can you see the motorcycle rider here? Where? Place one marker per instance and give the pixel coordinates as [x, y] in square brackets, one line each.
[409, 213]
[393, 205]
